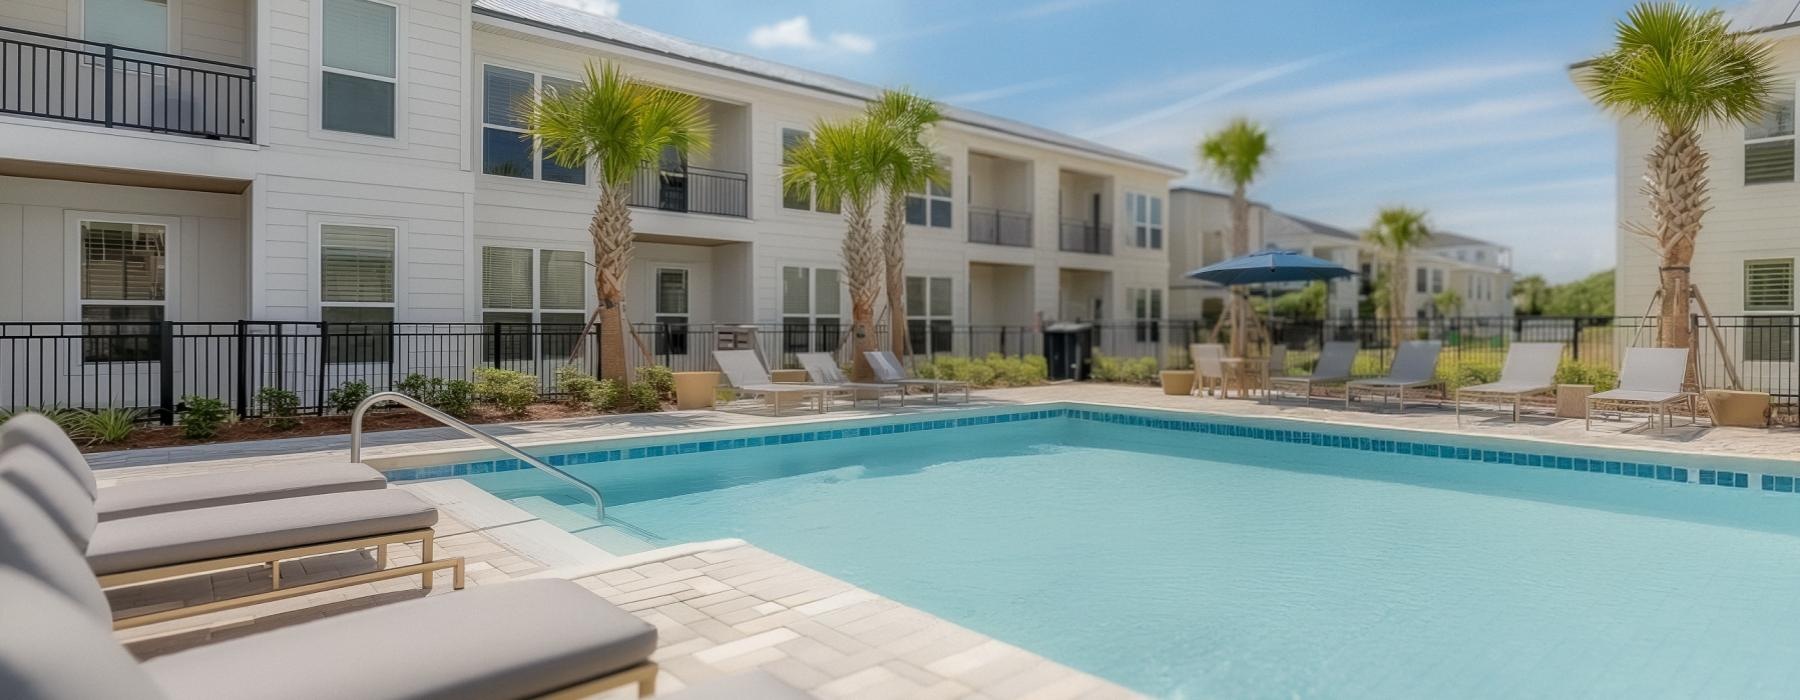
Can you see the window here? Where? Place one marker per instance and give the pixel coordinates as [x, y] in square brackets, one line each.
[124, 273]
[929, 327]
[1421, 281]
[1146, 308]
[804, 201]
[811, 309]
[671, 311]
[139, 24]
[359, 61]
[505, 148]
[1437, 281]
[1769, 143]
[532, 298]
[931, 206]
[356, 284]
[1769, 288]
[1146, 214]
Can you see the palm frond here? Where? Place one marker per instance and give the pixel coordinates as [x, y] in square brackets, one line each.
[1682, 67]
[616, 122]
[1237, 152]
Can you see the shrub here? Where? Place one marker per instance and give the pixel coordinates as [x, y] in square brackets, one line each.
[202, 417]
[1603, 378]
[643, 397]
[421, 387]
[993, 370]
[345, 398]
[512, 391]
[576, 386]
[661, 380]
[71, 420]
[1140, 370]
[278, 407]
[608, 395]
[457, 398]
[111, 425]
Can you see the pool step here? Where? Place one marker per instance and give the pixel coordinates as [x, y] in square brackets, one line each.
[579, 520]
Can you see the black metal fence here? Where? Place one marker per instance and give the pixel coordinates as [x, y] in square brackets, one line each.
[691, 189]
[1083, 236]
[55, 77]
[152, 365]
[999, 227]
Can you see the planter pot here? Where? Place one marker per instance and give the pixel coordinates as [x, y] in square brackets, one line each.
[1178, 382]
[1738, 409]
[1571, 400]
[695, 390]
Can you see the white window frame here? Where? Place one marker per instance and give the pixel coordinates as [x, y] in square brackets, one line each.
[659, 313]
[316, 117]
[72, 258]
[537, 150]
[1437, 280]
[948, 198]
[1155, 233]
[1148, 325]
[1793, 292]
[928, 317]
[1794, 102]
[78, 23]
[812, 315]
[812, 197]
[537, 310]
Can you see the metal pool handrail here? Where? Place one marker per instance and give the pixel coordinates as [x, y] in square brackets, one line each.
[356, 420]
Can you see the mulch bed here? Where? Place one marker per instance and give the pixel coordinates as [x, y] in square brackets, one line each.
[375, 421]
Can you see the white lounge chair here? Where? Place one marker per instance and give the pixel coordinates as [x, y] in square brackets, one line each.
[822, 368]
[1530, 369]
[888, 369]
[746, 374]
[1415, 367]
[1651, 379]
[1333, 367]
[1209, 366]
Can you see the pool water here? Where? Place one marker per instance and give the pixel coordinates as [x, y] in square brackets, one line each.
[1185, 565]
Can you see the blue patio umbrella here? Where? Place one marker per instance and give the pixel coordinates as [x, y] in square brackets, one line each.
[1270, 266]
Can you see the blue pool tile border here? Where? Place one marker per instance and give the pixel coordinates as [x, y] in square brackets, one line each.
[1640, 470]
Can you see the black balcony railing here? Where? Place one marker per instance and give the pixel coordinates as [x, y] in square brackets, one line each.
[53, 77]
[691, 189]
[999, 227]
[1083, 236]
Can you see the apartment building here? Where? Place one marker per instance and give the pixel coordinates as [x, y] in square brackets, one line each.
[1478, 271]
[357, 162]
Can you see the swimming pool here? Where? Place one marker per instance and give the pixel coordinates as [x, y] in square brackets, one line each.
[1191, 555]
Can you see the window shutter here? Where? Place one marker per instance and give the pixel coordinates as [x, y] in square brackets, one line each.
[1769, 285]
[795, 285]
[825, 301]
[563, 275]
[915, 296]
[1769, 161]
[358, 264]
[359, 36]
[940, 296]
[122, 262]
[506, 278]
[503, 90]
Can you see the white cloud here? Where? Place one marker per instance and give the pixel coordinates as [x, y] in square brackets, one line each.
[604, 8]
[1222, 90]
[1052, 7]
[1004, 91]
[797, 33]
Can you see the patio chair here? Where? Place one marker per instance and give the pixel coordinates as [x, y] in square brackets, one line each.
[147, 496]
[1209, 366]
[1651, 379]
[132, 551]
[888, 369]
[1333, 367]
[822, 368]
[1415, 367]
[1530, 369]
[1274, 365]
[746, 374]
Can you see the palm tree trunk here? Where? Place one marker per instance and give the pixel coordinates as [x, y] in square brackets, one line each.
[893, 248]
[1676, 185]
[610, 230]
[862, 274]
[1240, 245]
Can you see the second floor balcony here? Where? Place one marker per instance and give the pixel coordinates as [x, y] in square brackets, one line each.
[999, 227]
[1084, 236]
[54, 77]
[691, 189]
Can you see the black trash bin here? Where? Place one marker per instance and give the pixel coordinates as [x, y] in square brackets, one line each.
[1069, 350]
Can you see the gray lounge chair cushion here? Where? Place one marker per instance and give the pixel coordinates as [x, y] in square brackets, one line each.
[510, 640]
[36, 474]
[33, 545]
[147, 496]
[182, 536]
[755, 685]
[36, 429]
[51, 649]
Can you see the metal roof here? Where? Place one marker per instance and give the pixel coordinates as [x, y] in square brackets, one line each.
[568, 20]
[1763, 15]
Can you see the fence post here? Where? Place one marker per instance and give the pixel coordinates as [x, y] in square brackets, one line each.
[1575, 345]
[497, 351]
[324, 353]
[166, 350]
[109, 87]
[243, 369]
[668, 343]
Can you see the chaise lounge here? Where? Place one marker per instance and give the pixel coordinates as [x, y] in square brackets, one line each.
[1530, 369]
[822, 368]
[888, 369]
[1332, 367]
[1651, 379]
[1415, 367]
[746, 374]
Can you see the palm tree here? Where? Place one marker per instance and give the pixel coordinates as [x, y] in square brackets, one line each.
[844, 161]
[1682, 69]
[1448, 303]
[1396, 231]
[1236, 154]
[906, 116]
[1529, 294]
[619, 124]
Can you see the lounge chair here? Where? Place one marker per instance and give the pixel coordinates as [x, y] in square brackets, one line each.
[746, 374]
[1651, 379]
[1209, 366]
[1333, 367]
[1530, 369]
[1415, 367]
[130, 551]
[523, 639]
[822, 368]
[147, 496]
[889, 370]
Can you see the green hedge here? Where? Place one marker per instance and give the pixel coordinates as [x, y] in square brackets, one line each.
[991, 371]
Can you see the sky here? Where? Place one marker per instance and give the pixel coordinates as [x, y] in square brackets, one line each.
[1463, 108]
